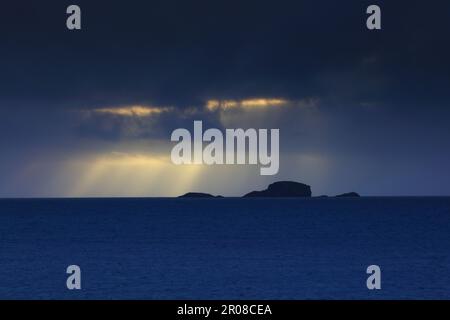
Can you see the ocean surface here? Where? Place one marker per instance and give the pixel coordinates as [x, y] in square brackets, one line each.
[225, 248]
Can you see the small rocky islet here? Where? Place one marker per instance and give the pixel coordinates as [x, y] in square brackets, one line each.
[281, 189]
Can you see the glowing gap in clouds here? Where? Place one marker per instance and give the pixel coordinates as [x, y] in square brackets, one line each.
[133, 111]
[118, 174]
[213, 105]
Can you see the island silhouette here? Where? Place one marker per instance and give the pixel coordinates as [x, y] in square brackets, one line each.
[198, 195]
[280, 189]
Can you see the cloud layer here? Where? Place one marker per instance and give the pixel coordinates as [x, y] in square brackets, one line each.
[91, 112]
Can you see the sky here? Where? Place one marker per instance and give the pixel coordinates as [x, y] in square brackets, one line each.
[89, 113]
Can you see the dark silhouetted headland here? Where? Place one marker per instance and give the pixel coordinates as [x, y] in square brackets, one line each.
[348, 195]
[282, 189]
[198, 195]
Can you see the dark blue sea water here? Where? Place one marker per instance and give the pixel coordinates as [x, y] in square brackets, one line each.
[225, 248]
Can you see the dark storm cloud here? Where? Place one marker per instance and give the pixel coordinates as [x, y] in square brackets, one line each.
[110, 124]
[183, 52]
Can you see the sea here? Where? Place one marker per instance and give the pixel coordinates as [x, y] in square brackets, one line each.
[232, 248]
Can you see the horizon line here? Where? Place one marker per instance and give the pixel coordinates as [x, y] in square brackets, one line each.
[219, 197]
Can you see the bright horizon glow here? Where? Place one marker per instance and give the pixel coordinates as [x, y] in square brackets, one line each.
[125, 174]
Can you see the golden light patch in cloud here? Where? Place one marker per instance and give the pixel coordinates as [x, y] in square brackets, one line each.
[213, 105]
[255, 103]
[134, 111]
